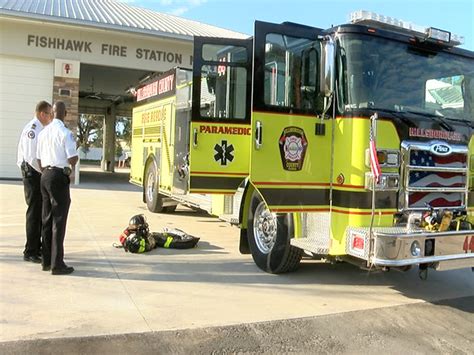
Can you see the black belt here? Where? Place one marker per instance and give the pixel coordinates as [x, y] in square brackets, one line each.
[66, 170]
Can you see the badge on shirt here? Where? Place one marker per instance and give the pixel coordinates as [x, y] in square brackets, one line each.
[31, 134]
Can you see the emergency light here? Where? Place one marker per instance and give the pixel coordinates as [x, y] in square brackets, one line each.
[426, 33]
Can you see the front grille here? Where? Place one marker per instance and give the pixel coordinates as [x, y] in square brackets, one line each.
[433, 180]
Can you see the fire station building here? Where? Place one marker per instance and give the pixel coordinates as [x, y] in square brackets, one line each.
[88, 54]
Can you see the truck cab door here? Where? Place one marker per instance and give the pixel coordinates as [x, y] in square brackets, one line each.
[220, 123]
[290, 155]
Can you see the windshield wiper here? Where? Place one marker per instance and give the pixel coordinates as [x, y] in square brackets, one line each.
[395, 113]
[457, 119]
[437, 117]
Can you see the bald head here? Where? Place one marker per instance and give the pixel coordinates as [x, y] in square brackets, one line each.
[59, 110]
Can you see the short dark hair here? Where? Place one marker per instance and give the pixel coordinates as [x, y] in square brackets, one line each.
[42, 106]
[60, 110]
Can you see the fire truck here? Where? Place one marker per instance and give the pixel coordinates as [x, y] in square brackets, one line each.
[353, 143]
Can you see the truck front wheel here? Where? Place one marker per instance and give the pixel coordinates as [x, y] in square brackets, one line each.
[269, 237]
[153, 199]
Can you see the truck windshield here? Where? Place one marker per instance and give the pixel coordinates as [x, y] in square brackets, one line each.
[389, 75]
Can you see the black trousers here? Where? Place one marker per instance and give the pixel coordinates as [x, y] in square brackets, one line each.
[32, 189]
[56, 202]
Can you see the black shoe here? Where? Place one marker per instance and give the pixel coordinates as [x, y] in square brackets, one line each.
[46, 267]
[63, 271]
[32, 258]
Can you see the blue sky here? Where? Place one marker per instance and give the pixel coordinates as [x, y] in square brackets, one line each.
[456, 16]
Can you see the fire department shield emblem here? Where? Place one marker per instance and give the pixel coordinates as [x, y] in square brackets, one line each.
[293, 145]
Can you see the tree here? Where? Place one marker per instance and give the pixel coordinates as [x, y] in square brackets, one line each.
[89, 131]
[123, 129]
[123, 133]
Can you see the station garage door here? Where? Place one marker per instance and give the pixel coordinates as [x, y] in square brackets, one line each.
[23, 82]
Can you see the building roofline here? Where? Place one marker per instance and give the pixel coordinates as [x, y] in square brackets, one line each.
[66, 21]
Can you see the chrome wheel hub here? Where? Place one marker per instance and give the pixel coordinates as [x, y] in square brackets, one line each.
[264, 228]
[150, 185]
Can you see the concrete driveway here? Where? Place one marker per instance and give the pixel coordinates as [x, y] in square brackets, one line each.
[113, 292]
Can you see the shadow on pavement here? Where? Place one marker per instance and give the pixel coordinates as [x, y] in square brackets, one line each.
[94, 178]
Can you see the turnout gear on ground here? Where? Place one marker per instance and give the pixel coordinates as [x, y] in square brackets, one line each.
[136, 241]
[175, 239]
[136, 238]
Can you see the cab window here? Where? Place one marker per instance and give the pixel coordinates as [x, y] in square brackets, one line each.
[223, 92]
[224, 74]
[291, 77]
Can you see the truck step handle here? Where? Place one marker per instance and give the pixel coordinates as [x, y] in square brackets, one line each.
[258, 134]
[195, 137]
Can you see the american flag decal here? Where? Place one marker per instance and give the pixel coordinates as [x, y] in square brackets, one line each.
[429, 178]
[423, 174]
[374, 161]
[426, 158]
[435, 199]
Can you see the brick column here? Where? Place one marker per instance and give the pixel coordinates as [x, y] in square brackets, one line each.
[67, 90]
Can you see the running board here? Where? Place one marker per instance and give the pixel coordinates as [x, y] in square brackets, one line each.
[199, 201]
[312, 245]
[229, 218]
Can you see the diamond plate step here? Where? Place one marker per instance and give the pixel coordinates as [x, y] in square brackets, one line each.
[312, 245]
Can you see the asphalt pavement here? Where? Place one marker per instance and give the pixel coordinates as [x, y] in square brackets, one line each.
[113, 294]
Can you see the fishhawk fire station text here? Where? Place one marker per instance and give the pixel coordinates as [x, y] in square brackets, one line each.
[109, 49]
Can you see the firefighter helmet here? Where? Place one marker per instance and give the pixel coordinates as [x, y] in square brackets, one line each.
[135, 243]
[138, 224]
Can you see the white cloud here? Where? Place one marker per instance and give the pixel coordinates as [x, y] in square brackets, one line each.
[179, 7]
[196, 2]
[179, 11]
[173, 7]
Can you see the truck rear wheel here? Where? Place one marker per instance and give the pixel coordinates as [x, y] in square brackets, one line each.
[269, 237]
[170, 209]
[153, 199]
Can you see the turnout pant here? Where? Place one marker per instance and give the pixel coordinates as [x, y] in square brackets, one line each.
[32, 189]
[56, 202]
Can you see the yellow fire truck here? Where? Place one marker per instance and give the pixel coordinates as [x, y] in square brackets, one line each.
[272, 133]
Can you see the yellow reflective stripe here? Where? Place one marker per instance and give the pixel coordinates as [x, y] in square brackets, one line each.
[142, 246]
[168, 242]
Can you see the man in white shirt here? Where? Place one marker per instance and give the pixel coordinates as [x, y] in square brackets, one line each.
[31, 172]
[57, 155]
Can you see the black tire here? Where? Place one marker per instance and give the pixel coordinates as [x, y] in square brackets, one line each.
[170, 209]
[269, 238]
[153, 199]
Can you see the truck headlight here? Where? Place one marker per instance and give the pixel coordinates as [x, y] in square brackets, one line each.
[415, 249]
[387, 158]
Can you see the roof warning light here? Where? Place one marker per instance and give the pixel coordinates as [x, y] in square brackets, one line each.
[421, 32]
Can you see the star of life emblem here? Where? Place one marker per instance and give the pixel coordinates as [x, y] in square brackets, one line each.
[224, 152]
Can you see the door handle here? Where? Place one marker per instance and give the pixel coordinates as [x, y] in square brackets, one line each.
[195, 137]
[258, 135]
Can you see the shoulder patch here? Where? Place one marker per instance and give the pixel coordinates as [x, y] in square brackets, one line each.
[31, 134]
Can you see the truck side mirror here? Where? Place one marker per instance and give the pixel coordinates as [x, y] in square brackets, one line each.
[327, 70]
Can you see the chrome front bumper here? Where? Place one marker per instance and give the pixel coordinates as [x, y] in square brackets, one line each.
[393, 247]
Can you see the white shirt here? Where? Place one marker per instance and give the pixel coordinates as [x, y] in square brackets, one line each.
[56, 145]
[28, 142]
